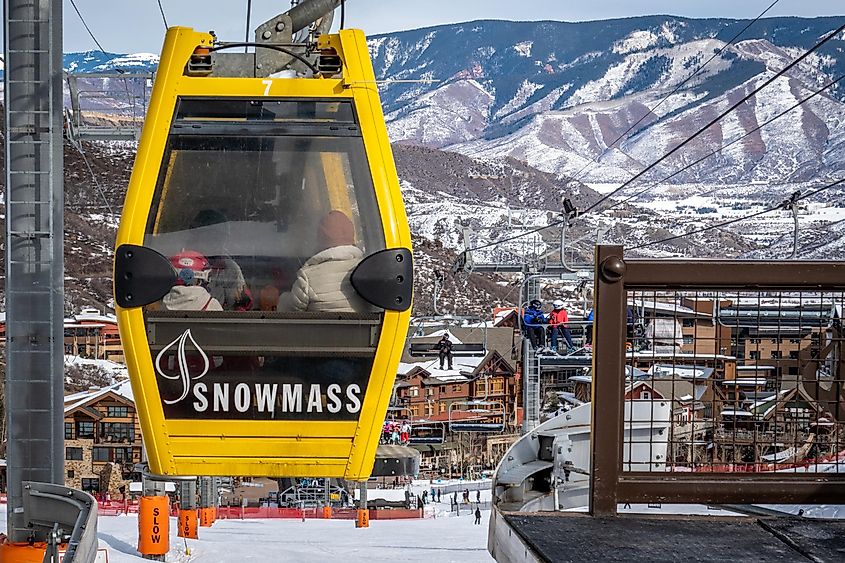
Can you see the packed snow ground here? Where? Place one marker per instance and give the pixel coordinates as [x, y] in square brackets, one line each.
[236, 541]
[442, 537]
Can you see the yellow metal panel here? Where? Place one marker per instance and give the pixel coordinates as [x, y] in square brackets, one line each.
[224, 466]
[265, 448]
[277, 448]
[336, 183]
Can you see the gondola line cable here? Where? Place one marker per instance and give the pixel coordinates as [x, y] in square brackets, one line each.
[783, 205]
[88, 29]
[718, 118]
[577, 176]
[163, 17]
[248, 16]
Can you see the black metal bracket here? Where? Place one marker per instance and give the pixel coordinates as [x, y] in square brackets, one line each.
[386, 279]
[141, 276]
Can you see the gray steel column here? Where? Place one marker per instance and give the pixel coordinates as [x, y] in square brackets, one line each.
[188, 494]
[530, 364]
[34, 241]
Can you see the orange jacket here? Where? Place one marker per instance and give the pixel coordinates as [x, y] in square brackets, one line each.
[558, 318]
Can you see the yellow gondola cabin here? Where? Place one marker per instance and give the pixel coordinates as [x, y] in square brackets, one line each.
[263, 269]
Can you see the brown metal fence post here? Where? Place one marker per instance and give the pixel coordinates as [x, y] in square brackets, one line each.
[608, 376]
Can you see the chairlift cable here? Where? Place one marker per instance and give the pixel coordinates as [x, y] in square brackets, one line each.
[780, 206]
[88, 29]
[674, 150]
[718, 118]
[163, 17]
[248, 15]
[97, 184]
[717, 53]
[723, 147]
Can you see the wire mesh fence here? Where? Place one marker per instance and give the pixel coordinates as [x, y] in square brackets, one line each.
[716, 373]
[749, 380]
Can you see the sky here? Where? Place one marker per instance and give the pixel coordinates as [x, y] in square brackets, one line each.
[138, 27]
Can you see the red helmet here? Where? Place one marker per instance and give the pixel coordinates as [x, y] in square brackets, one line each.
[191, 267]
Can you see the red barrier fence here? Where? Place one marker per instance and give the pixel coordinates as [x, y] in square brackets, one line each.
[117, 507]
[237, 512]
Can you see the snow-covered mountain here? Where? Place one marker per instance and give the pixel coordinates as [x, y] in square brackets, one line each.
[558, 95]
[99, 61]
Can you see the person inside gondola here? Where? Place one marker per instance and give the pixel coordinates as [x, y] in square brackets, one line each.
[226, 280]
[323, 282]
[190, 293]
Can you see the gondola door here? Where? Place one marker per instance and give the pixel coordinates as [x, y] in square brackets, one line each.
[263, 270]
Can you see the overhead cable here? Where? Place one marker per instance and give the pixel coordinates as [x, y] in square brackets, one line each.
[78, 146]
[163, 17]
[783, 205]
[248, 15]
[88, 29]
[723, 147]
[718, 118]
[717, 53]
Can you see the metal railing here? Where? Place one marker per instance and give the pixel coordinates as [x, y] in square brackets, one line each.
[745, 361]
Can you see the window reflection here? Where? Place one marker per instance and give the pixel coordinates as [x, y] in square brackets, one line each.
[264, 223]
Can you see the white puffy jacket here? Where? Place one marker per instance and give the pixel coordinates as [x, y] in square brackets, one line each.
[189, 298]
[323, 283]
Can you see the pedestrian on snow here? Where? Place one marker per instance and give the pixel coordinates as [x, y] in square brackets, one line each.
[455, 498]
[534, 321]
[466, 496]
[433, 495]
[419, 501]
[438, 495]
[478, 515]
[557, 325]
[444, 350]
[226, 281]
[425, 497]
[478, 496]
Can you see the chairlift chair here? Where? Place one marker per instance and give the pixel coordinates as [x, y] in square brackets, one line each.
[444, 322]
[427, 433]
[485, 416]
[107, 106]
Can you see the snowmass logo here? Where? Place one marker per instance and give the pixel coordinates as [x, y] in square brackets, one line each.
[184, 371]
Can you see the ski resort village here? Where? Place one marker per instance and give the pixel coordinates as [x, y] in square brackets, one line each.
[481, 282]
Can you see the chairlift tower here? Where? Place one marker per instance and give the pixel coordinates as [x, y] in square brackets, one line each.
[34, 260]
[533, 271]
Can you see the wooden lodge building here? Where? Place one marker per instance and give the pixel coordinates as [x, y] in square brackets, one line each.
[482, 393]
[102, 439]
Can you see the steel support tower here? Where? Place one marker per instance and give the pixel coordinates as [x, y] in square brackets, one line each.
[34, 243]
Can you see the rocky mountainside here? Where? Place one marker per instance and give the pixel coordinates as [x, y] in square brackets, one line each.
[557, 95]
[91, 204]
